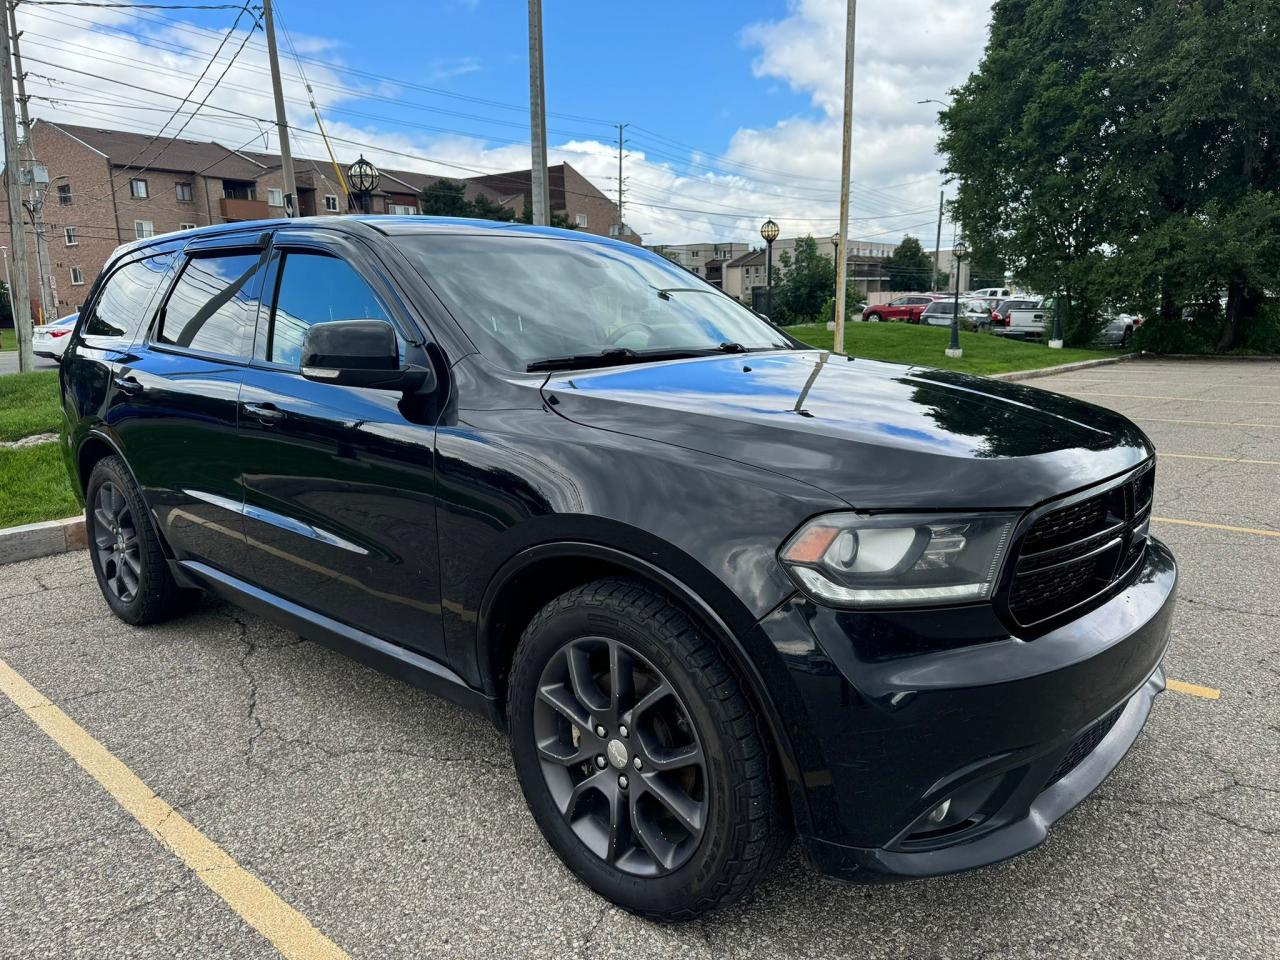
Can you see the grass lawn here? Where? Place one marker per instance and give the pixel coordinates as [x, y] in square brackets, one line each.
[8, 339]
[34, 485]
[29, 404]
[924, 346]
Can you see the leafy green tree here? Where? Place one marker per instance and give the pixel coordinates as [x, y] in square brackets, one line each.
[557, 219]
[486, 209]
[447, 198]
[910, 268]
[1127, 152]
[803, 281]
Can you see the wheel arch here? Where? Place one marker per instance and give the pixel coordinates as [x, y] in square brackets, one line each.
[96, 446]
[553, 568]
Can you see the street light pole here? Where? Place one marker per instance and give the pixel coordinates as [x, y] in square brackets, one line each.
[538, 120]
[282, 120]
[937, 243]
[954, 351]
[768, 230]
[1055, 342]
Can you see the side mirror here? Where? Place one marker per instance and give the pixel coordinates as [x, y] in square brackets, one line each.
[359, 353]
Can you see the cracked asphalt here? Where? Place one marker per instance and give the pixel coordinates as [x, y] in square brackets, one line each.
[393, 822]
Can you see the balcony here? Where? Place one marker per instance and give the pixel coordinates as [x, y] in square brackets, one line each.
[234, 208]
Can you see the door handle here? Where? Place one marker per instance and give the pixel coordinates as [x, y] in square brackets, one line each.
[126, 384]
[268, 413]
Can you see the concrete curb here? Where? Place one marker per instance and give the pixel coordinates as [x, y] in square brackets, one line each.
[1064, 368]
[33, 540]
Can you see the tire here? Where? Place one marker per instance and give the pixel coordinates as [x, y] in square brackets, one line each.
[626, 843]
[1126, 337]
[873, 317]
[125, 550]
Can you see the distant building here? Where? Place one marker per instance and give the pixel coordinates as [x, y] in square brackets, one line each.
[107, 187]
[707, 260]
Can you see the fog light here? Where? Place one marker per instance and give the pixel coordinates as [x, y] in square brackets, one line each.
[939, 813]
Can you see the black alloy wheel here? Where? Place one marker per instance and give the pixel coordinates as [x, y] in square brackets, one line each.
[620, 756]
[643, 759]
[127, 555]
[115, 538]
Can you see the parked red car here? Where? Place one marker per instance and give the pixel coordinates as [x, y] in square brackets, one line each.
[906, 308]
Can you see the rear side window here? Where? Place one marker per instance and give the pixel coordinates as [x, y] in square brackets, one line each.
[214, 305]
[315, 288]
[121, 308]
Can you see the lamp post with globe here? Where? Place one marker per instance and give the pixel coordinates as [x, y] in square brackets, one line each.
[958, 253]
[768, 230]
[364, 178]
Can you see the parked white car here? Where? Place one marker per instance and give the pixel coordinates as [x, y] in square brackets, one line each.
[1025, 319]
[50, 339]
[992, 293]
[1119, 329]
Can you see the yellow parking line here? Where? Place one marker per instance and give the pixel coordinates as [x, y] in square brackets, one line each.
[288, 930]
[1210, 423]
[1218, 526]
[1194, 689]
[1198, 456]
[1156, 396]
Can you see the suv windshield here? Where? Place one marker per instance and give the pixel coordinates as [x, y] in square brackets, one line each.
[541, 302]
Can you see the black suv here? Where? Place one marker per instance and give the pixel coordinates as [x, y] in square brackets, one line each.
[717, 585]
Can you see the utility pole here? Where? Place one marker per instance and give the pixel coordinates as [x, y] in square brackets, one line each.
[19, 299]
[35, 204]
[621, 127]
[538, 120]
[282, 121]
[937, 244]
[842, 262]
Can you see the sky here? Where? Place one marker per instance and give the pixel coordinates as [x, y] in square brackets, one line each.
[733, 110]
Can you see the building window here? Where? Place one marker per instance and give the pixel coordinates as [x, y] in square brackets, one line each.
[580, 219]
[331, 202]
[143, 229]
[77, 277]
[69, 236]
[403, 209]
[186, 226]
[695, 254]
[615, 230]
[138, 189]
[275, 197]
[184, 191]
[64, 194]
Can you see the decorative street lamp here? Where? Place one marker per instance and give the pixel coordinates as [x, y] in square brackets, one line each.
[1055, 341]
[835, 260]
[768, 230]
[958, 253]
[364, 178]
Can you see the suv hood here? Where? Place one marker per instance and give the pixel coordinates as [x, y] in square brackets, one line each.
[877, 435]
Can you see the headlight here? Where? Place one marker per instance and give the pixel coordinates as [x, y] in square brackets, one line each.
[853, 560]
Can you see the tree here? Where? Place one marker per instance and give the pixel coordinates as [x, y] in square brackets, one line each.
[486, 209]
[1126, 152]
[802, 282]
[910, 268]
[447, 198]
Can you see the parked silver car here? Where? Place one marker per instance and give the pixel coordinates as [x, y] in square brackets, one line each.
[50, 339]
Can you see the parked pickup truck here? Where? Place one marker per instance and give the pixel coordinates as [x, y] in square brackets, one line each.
[1022, 319]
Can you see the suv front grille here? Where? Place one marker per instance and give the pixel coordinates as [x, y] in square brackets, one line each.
[1074, 554]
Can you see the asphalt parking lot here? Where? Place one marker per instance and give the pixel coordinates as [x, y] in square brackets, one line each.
[391, 825]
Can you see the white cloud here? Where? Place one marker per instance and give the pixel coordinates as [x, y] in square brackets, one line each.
[906, 51]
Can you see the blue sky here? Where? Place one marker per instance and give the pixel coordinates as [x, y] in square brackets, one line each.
[733, 108]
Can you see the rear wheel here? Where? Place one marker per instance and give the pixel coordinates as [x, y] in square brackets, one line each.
[639, 755]
[125, 550]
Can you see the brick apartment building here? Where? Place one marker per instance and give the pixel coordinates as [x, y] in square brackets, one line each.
[108, 187]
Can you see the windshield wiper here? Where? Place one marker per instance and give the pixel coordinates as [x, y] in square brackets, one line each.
[616, 356]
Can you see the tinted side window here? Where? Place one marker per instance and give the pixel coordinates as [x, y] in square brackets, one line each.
[214, 305]
[315, 288]
[120, 308]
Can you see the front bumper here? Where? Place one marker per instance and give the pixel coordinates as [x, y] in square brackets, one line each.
[905, 710]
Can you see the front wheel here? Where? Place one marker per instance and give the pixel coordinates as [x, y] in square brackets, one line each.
[873, 317]
[640, 756]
